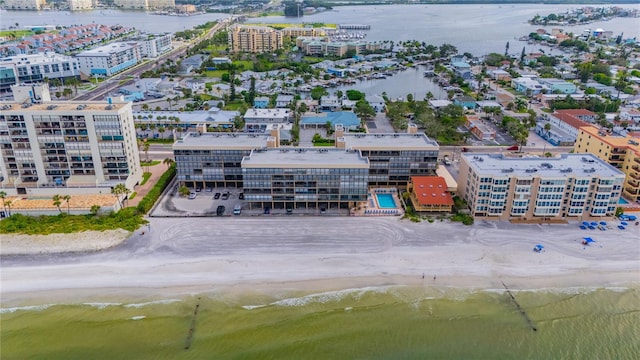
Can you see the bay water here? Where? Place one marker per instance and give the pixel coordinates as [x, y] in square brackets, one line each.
[369, 323]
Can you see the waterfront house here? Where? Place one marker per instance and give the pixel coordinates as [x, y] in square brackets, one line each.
[558, 86]
[330, 103]
[462, 69]
[499, 74]
[377, 102]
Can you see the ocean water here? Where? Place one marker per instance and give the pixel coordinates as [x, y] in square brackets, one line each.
[370, 323]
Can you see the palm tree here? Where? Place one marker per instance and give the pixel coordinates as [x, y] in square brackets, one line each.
[66, 198]
[547, 127]
[168, 162]
[57, 201]
[118, 191]
[8, 203]
[3, 196]
[145, 148]
[95, 209]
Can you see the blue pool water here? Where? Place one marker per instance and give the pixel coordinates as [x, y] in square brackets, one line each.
[622, 201]
[385, 201]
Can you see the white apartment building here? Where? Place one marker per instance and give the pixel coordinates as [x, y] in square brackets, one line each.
[154, 45]
[570, 187]
[146, 4]
[69, 145]
[109, 59]
[35, 68]
[75, 5]
[256, 120]
[25, 4]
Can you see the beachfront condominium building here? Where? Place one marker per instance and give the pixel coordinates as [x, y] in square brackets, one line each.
[254, 39]
[25, 4]
[622, 152]
[305, 178]
[216, 159]
[68, 144]
[75, 5]
[572, 186]
[393, 158]
[109, 59]
[146, 4]
[36, 68]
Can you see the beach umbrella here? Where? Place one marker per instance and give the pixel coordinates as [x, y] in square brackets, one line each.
[603, 223]
[594, 223]
[624, 223]
[585, 223]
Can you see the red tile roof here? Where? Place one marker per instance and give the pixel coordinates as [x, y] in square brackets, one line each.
[571, 120]
[577, 112]
[431, 190]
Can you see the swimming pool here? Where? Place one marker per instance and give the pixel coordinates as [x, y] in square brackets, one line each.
[622, 201]
[385, 201]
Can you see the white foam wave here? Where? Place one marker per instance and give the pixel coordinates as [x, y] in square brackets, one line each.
[25, 308]
[251, 307]
[102, 305]
[140, 317]
[329, 296]
[156, 302]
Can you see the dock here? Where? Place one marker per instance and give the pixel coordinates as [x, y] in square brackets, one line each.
[354, 27]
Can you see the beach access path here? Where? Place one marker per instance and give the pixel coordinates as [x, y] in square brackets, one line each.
[293, 253]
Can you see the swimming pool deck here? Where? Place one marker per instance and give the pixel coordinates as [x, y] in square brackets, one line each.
[371, 208]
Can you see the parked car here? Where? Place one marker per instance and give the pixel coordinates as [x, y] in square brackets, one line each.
[208, 189]
[225, 196]
[289, 210]
[323, 210]
[198, 189]
[192, 196]
[220, 210]
[513, 148]
[241, 196]
[237, 209]
[267, 211]
[216, 196]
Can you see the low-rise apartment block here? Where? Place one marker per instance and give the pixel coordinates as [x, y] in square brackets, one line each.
[109, 59]
[622, 152]
[153, 45]
[257, 120]
[75, 5]
[570, 187]
[35, 68]
[72, 144]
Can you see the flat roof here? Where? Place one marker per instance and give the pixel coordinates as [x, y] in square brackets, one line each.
[346, 118]
[62, 106]
[567, 165]
[219, 116]
[221, 141]
[311, 158]
[267, 113]
[108, 49]
[629, 141]
[399, 141]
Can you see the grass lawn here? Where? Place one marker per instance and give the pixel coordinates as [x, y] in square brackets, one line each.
[248, 65]
[145, 178]
[312, 59]
[17, 34]
[214, 73]
[233, 106]
[133, 194]
[323, 144]
[149, 163]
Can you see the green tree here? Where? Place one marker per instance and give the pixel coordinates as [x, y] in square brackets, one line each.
[318, 92]
[66, 198]
[57, 201]
[120, 192]
[95, 209]
[184, 191]
[168, 162]
[3, 196]
[364, 110]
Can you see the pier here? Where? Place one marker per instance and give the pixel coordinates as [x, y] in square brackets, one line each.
[354, 27]
[522, 312]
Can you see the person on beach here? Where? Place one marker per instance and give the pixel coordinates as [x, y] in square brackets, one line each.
[434, 278]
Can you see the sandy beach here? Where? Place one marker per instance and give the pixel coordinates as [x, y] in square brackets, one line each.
[87, 241]
[287, 256]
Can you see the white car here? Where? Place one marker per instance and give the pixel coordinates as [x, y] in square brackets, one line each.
[192, 196]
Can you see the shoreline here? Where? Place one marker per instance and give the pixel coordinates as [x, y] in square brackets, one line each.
[238, 257]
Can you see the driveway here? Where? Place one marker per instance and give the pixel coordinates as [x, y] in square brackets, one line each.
[382, 124]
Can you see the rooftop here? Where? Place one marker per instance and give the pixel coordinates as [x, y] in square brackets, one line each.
[223, 141]
[305, 158]
[267, 113]
[345, 118]
[570, 120]
[629, 141]
[568, 165]
[212, 116]
[108, 49]
[62, 106]
[431, 190]
[399, 141]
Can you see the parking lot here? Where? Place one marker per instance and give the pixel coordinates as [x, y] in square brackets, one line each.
[207, 201]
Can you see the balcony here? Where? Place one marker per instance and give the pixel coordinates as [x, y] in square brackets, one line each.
[632, 191]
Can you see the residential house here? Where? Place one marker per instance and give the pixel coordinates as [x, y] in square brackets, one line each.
[430, 194]
[465, 101]
[284, 101]
[377, 103]
[330, 103]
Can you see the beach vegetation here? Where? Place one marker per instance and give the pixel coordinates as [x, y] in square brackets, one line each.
[65, 223]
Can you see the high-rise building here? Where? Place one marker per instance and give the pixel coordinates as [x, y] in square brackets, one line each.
[146, 4]
[254, 39]
[25, 4]
[622, 152]
[71, 144]
[573, 186]
[75, 5]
